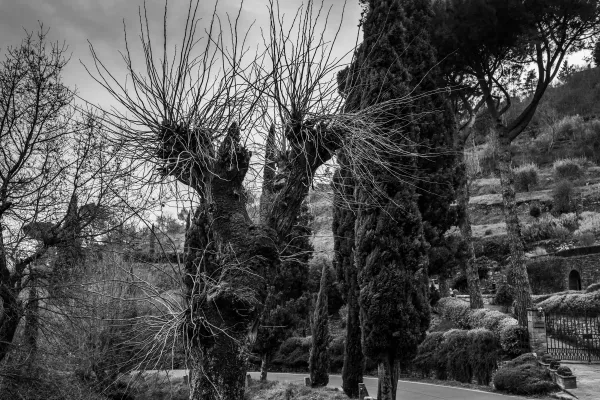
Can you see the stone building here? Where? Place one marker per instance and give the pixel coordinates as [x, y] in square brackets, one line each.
[572, 269]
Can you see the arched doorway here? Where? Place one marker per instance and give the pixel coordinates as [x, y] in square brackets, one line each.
[574, 280]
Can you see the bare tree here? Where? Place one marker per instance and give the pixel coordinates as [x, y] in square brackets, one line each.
[52, 156]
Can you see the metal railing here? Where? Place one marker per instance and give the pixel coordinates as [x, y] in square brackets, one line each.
[573, 338]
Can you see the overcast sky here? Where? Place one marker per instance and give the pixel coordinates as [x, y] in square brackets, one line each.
[101, 22]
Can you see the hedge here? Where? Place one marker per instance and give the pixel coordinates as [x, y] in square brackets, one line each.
[575, 304]
[506, 328]
[524, 376]
[459, 354]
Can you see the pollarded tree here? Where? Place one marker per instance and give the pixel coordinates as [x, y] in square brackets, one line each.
[196, 114]
[490, 41]
[318, 361]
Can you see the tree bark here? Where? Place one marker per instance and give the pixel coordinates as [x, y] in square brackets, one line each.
[518, 269]
[352, 371]
[319, 356]
[219, 370]
[12, 313]
[32, 323]
[229, 259]
[465, 230]
[264, 366]
[444, 287]
[388, 371]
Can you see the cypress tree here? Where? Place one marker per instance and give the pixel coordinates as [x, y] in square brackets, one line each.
[394, 61]
[440, 169]
[343, 234]
[319, 356]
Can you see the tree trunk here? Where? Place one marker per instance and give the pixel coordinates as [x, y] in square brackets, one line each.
[219, 369]
[465, 230]
[225, 253]
[264, 366]
[518, 270]
[444, 287]
[32, 324]
[11, 308]
[318, 362]
[352, 371]
[9, 320]
[388, 371]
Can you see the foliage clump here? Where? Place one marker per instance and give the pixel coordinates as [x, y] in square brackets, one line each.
[574, 304]
[287, 391]
[526, 177]
[563, 370]
[563, 198]
[569, 169]
[594, 287]
[525, 377]
[460, 355]
[511, 336]
[504, 295]
[547, 274]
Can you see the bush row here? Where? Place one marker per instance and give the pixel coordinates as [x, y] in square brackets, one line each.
[459, 354]
[576, 304]
[512, 337]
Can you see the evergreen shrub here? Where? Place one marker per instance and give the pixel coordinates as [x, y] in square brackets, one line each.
[573, 303]
[456, 349]
[564, 371]
[484, 352]
[511, 336]
[429, 358]
[524, 376]
[455, 310]
[459, 354]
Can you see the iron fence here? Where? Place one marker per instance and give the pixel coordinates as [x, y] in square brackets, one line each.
[573, 338]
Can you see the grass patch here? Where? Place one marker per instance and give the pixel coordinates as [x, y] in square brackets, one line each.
[288, 391]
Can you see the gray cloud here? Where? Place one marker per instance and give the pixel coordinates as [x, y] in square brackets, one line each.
[101, 22]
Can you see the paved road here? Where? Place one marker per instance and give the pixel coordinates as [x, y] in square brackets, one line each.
[406, 390]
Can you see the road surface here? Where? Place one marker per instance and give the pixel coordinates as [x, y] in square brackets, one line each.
[406, 390]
